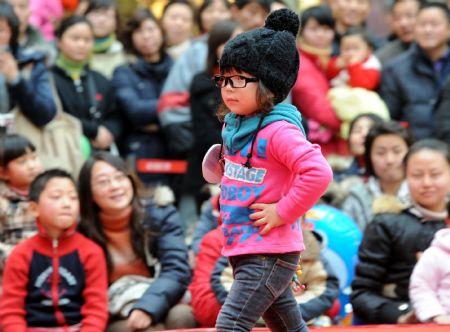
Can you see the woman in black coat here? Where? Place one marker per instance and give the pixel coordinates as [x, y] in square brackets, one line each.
[137, 87]
[393, 242]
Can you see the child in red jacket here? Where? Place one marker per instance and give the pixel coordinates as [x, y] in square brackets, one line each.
[356, 66]
[55, 280]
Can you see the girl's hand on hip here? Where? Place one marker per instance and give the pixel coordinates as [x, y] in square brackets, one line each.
[266, 218]
[139, 320]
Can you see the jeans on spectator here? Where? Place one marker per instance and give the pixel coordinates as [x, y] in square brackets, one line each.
[261, 287]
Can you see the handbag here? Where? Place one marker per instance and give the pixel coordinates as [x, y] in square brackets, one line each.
[58, 143]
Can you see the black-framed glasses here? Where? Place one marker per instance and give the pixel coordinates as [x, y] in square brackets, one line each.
[236, 81]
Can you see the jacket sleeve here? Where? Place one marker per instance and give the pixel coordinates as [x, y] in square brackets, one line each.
[374, 255]
[139, 111]
[95, 293]
[423, 288]
[360, 77]
[354, 207]
[443, 115]
[305, 160]
[34, 95]
[332, 69]
[175, 274]
[313, 103]
[390, 92]
[15, 280]
[322, 289]
[207, 222]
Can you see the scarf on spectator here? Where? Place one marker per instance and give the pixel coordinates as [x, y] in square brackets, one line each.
[73, 68]
[322, 55]
[101, 45]
[426, 214]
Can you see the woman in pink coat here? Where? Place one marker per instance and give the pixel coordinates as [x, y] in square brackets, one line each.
[430, 281]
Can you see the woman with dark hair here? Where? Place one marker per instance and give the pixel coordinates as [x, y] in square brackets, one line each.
[24, 80]
[177, 22]
[204, 99]
[394, 241]
[210, 12]
[84, 93]
[143, 244]
[137, 86]
[309, 93]
[386, 145]
[108, 51]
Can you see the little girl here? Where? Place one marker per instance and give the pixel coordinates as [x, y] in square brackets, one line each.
[19, 165]
[272, 176]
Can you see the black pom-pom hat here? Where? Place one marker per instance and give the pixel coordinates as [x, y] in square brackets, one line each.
[269, 53]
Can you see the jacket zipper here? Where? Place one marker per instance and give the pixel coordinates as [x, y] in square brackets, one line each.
[54, 286]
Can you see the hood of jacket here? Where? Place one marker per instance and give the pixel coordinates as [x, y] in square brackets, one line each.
[442, 240]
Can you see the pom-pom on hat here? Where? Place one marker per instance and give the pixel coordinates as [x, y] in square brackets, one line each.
[269, 53]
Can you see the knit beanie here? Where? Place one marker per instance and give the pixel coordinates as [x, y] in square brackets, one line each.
[269, 53]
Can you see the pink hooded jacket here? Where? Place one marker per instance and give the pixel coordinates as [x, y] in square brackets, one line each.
[429, 288]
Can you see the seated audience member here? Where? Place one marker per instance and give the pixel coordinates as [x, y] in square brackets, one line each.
[411, 83]
[351, 14]
[358, 130]
[174, 108]
[309, 93]
[137, 86]
[355, 66]
[55, 280]
[24, 80]
[386, 145]
[177, 22]
[143, 242]
[108, 52]
[428, 289]
[213, 278]
[30, 37]
[204, 99]
[442, 114]
[84, 93]
[19, 165]
[393, 241]
[403, 15]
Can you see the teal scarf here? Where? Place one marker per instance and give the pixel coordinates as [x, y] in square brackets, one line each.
[239, 130]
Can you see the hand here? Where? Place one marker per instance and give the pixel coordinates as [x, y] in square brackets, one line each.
[267, 218]
[357, 57]
[408, 318]
[341, 62]
[442, 320]
[104, 138]
[8, 66]
[139, 320]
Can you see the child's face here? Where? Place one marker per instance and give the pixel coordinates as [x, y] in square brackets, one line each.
[58, 206]
[358, 135]
[20, 172]
[112, 190]
[320, 36]
[240, 101]
[354, 48]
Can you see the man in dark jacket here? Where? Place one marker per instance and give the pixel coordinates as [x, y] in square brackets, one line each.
[411, 83]
[443, 114]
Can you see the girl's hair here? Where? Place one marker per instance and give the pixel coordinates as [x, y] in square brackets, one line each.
[322, 14]
[201, 9]
[100, 4]
[90, 224]
[381, 129]
[133, 24]
[359, 31]
[373, 117]
[70, 21]
[264, 97]
[429, 144]
[7, 13]
[220, 34]
[14, 146]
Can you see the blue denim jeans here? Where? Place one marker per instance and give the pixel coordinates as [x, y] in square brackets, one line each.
[261, 287]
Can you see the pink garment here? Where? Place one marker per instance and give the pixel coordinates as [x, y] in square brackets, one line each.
[429, 288]
[287, 170]
[44, 15]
